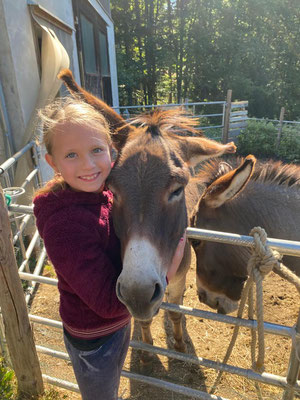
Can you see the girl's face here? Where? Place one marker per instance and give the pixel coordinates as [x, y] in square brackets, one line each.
[82, 156]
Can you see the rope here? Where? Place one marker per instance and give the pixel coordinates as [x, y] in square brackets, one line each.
[235, 332]
[262, 261]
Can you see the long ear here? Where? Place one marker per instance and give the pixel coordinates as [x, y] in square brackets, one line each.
[196, 149]
[117, 123]
[229, 185]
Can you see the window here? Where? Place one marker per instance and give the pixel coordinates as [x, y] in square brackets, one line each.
[92, 50]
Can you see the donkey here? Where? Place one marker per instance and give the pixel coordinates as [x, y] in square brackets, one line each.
[236, 199]
[152, 199]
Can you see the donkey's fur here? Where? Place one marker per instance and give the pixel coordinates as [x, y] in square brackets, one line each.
[152, 198]
[236, 200]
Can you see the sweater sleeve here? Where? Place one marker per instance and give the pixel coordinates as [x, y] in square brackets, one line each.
[79, 258]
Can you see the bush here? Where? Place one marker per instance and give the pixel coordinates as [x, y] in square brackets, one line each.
[260, 139]
[6, 382]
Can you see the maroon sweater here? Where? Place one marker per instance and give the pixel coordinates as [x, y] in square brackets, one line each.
[81, 243]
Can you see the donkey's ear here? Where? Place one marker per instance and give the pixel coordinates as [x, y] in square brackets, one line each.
[230, 184]
[117, 124]
[196, 149]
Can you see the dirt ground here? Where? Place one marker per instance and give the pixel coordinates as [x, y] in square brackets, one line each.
[204, 338]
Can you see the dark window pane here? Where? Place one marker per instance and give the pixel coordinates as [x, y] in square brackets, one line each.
[103, 55]
[88, 45]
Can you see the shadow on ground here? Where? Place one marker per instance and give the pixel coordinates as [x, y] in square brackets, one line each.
[174, 371]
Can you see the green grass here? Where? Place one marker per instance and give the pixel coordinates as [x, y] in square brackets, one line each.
[8, 386]
[7, 391]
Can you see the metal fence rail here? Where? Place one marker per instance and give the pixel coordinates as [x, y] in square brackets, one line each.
[285, 247]
[235, 123]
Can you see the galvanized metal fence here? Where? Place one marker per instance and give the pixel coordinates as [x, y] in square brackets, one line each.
[226, 120]
[22, 214]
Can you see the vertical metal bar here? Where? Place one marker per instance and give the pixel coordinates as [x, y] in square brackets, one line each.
[23, 225]
[223, 116]
[7, 179]
[37, 271]
[294, 364]
[36, 158]
[21, 241]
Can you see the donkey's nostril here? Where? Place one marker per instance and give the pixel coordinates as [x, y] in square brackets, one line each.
[156, 294]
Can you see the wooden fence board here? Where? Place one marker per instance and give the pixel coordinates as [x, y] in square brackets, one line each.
[15, 317]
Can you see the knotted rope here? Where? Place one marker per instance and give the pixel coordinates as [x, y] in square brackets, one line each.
[262, 261]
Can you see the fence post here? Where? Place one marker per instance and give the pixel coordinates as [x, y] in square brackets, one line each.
[282, 111]
[227, 116]
[18, 332]
[294, 364]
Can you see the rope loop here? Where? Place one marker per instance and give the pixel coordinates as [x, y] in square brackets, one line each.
[262, 258]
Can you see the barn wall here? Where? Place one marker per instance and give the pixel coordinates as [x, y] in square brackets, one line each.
[19, 74]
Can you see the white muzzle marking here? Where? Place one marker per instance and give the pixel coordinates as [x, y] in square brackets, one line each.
[141, 262]
[142, 282]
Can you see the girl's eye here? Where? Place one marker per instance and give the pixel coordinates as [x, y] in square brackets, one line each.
[71, 155]
[97, 150]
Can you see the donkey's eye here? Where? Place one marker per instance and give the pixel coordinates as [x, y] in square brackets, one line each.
[176, 193]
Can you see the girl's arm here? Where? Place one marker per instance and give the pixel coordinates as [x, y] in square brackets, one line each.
[78, 257]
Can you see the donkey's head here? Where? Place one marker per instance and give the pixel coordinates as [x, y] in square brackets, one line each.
[148, 181]
[221, 268]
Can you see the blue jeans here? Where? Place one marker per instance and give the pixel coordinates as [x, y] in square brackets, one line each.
[98, 371]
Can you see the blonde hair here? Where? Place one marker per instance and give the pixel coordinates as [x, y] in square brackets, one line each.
[71, 110]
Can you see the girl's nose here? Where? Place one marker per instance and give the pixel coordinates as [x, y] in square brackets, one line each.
[87, 162]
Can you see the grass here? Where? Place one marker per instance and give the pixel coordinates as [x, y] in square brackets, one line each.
[8, 386]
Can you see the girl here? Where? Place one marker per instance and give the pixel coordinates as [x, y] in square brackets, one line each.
[73, 216]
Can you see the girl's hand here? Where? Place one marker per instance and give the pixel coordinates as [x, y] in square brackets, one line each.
[177, 257]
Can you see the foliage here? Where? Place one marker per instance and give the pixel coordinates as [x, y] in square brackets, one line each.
[49, 271]
[6, 382]
[260, 139]
[172, 50]
[213, 133]
[8, 386]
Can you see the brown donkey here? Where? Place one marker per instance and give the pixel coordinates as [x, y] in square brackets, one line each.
[152, 199]
[236, 199]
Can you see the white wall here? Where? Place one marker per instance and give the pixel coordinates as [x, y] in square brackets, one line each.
[19, 69]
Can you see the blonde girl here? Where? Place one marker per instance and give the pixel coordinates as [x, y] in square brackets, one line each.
[73, 216]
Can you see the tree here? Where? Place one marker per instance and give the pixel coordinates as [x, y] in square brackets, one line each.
[170, 50]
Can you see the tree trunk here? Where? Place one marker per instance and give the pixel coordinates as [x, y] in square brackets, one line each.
[180, 10]
[150, 52]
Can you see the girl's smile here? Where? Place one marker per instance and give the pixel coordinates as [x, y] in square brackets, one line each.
[90, 177]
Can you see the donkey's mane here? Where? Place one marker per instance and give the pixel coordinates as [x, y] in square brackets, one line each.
[173, 120]
[268, 172]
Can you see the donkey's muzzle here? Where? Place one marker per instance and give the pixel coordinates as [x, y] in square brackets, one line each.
[142, 300]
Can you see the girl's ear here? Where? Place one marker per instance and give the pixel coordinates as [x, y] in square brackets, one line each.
[50, 161]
